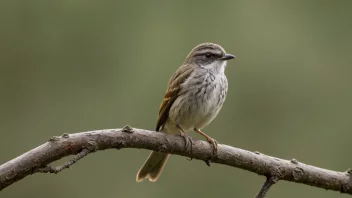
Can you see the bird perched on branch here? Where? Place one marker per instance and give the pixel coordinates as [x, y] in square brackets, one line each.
[194, 97]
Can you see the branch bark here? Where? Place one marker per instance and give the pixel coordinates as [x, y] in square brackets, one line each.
[81, 144]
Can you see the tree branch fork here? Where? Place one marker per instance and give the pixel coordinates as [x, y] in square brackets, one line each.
[81, 144]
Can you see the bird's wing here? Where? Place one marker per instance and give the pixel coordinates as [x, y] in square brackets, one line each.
[173, 91]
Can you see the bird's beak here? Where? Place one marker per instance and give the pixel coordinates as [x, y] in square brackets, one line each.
[227, 57]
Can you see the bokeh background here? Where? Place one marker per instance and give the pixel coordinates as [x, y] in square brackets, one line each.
[73, 65]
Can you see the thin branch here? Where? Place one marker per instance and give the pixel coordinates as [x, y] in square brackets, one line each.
[81, 144]
[266, 186]
[49, 169]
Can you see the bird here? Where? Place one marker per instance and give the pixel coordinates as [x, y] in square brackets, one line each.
[194, 97]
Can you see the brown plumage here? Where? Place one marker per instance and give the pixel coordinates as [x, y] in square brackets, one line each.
[172, 93]
[195, 94]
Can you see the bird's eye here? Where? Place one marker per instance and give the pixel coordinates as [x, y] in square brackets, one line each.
[208, 55]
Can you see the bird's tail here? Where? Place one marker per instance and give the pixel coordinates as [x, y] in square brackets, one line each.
[152, 167]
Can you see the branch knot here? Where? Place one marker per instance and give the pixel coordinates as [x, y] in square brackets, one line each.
[298, 173]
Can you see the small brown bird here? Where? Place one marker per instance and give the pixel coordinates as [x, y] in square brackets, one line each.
[194, 97]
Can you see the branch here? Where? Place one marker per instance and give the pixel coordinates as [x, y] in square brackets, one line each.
[81, 144]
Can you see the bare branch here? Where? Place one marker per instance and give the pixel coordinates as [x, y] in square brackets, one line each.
[81, 144]
[266, 186]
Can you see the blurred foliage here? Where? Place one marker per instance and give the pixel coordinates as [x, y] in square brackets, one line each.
[72, 66]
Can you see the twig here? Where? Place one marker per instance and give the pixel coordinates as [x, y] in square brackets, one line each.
[81, 144]
[266, 186]
[49, 169]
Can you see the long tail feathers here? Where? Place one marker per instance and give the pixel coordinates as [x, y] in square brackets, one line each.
[152, 167]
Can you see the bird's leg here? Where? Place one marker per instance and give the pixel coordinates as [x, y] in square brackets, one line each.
[213, 142]
[187, 138]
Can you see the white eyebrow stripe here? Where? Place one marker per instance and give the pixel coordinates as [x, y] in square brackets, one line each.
[205, 51]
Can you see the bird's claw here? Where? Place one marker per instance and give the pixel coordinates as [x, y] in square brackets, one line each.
[214, 143]
[188, 142]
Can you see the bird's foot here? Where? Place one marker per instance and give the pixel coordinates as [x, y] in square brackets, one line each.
[188, 142]
[214, 143]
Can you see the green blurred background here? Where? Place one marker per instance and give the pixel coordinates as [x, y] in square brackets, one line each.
[72, 65]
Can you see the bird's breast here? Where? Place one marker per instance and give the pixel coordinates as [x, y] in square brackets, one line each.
[200, 101]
